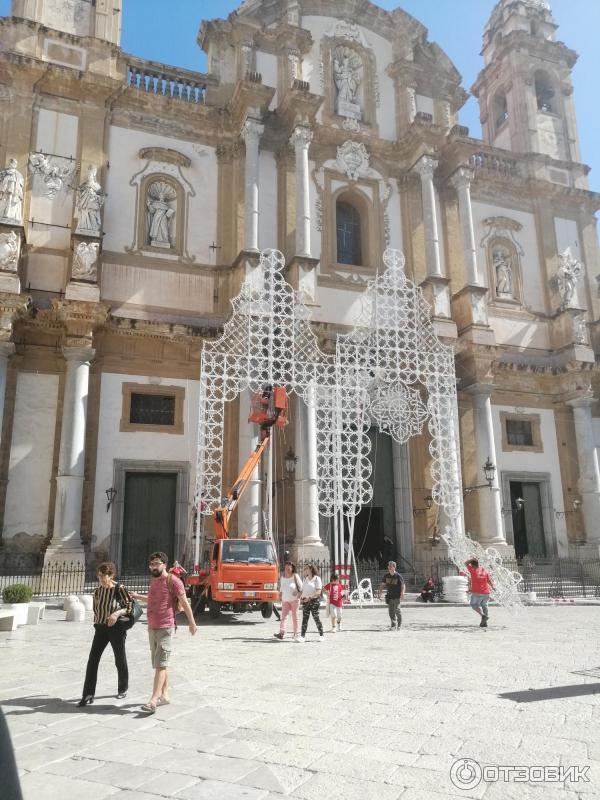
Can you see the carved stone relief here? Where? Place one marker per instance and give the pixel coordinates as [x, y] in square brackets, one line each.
[353, 159]
[10, 244]
[580, 330]
[85, 262]
[55, 173]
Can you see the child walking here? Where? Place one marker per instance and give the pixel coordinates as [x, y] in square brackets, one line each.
[335, 600]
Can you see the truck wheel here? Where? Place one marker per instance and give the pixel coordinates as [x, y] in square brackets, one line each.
[266, 610]
[214, 608]
[200, 604]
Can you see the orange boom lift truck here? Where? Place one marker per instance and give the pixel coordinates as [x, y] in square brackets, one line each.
[243, 573]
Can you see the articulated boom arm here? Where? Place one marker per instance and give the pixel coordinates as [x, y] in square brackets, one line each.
[224, 512]
[269, 409]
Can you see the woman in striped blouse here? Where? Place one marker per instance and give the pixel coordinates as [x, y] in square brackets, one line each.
[110, 602]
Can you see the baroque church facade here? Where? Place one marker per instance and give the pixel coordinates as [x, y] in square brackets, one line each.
[135, 198]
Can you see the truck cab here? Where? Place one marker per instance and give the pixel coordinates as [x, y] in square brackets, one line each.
[243, 576]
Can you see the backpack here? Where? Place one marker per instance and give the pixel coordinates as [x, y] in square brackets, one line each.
[174, 598]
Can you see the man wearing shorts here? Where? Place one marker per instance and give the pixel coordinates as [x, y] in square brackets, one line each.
[165, 593]
[481, 583]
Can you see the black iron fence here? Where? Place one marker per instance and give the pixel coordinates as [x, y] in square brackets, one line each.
[549, 578]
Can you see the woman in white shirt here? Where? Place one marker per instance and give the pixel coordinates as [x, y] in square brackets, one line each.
[291, 589]
[312, 589]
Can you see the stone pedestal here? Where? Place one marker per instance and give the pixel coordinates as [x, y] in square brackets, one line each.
[469, 310]
[88, 292]
[301, 273]
[571, 336]
[437, 293]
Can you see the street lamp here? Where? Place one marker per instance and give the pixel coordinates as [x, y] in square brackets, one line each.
[428, 503]
[519, 503]
[110, 496]
[291, 460]
[576, 507]
[489, 470]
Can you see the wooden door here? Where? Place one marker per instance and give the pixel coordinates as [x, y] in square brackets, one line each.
[148, 518]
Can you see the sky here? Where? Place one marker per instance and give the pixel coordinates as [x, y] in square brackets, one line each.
[166, 31]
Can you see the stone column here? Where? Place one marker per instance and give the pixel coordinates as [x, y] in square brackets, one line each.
[402, 501]
[425, 167]
[490, 501]
[301, 139]
[461, 180]
[66, 543]
[6, 351]
[251, 133]
[589, 470]
[249, 509]
[307, 543]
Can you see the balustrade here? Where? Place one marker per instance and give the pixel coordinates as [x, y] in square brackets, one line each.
[166, 83]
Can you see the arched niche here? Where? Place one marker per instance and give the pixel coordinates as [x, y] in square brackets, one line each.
[161, 214]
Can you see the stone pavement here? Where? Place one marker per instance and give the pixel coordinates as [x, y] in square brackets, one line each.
[367, 714]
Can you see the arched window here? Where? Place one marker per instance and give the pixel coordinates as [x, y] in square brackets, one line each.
[500, 110]
[349, 245]
[544, 93]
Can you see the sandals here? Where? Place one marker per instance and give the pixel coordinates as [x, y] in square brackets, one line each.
[149, 708]
[162, 702]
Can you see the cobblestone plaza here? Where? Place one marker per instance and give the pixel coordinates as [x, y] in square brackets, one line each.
[367, 714]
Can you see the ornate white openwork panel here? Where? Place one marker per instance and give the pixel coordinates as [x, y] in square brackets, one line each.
[406, 373]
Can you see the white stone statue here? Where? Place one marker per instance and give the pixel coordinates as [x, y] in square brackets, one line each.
[569, 273]
[504, 274]
[580, 330]
[85, 262]
[161, 214]
[9, 251]
[11, 193]
[90, 199]
[347, 75]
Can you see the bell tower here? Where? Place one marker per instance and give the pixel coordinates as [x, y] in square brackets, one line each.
[100, 19]
[525, 90]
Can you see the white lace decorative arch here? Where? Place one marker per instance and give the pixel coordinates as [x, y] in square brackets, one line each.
[391, 370]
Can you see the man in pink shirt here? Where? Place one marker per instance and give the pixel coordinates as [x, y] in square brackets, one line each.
[481, 583]
[166, 594]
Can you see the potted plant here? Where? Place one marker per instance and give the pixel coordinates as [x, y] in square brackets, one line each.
[17, 598]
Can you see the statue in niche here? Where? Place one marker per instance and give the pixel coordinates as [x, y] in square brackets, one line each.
[11, 193]
[347, 75]
[161, 214]
[504, 273]
[90, 199]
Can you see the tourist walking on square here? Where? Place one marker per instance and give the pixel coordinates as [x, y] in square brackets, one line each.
[335, 601]
[393, 583]
[111, 601]
[481, 583]
[312, 588]
[166, 594]
[291, 589]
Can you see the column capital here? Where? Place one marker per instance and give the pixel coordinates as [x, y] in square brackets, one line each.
[462, 178]
[252, 130]
[6, 349]
[425, 167]
[480, 390]
[301, 136]
[582, 402]
[80, 355]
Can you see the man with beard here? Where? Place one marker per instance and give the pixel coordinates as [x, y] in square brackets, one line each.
[165, 595]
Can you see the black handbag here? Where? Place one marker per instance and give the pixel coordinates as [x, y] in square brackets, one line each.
[127, 621]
